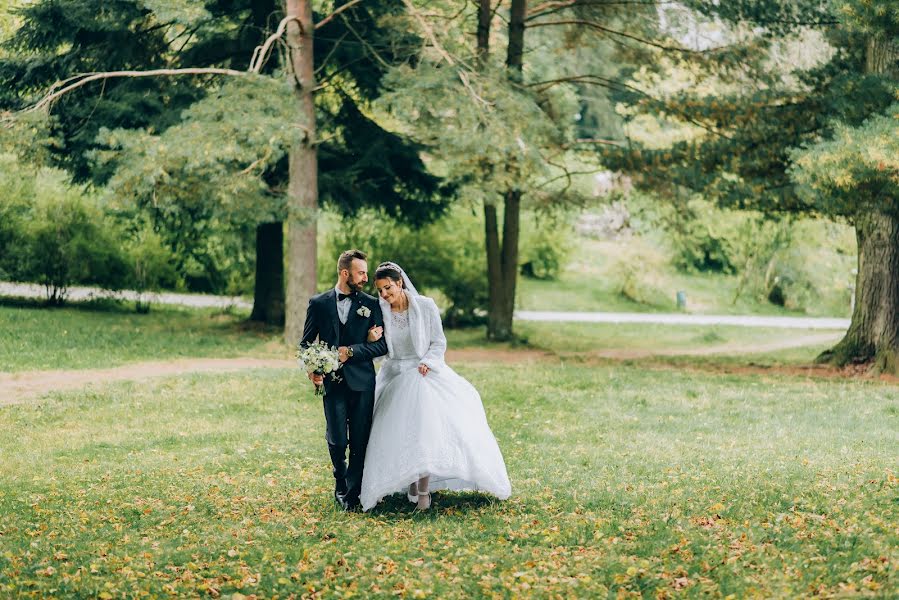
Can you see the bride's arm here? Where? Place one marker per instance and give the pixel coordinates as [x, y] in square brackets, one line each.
[368, 350]
[437, 348]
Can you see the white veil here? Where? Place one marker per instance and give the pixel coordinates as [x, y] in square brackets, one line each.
[407, 283]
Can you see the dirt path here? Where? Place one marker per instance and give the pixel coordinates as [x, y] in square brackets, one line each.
[20, 387]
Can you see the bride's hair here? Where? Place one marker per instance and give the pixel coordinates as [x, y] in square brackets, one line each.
[387, 270]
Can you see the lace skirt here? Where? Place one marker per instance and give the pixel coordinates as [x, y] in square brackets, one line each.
[432, 425]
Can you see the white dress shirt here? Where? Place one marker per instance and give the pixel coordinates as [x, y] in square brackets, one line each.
[343, 306]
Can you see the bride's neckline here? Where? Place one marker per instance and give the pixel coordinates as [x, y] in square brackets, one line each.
[406, 309]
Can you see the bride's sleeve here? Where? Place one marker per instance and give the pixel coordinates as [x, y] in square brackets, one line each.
[434, 357]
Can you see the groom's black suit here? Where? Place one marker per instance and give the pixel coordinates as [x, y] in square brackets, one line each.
[348, 403]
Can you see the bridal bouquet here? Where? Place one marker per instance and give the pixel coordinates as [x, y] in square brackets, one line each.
[321, 359]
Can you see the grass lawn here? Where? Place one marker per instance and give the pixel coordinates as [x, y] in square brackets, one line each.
[80, 338]
[626, 481]
[77, 338]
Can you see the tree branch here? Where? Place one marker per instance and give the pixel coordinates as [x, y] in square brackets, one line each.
[554, 6]
[260, 53]
[600, 141]
[429, 32]
[607, 30]
[77, 81]
[336, 12]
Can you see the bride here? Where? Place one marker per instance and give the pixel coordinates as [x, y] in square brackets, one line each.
[429, 430]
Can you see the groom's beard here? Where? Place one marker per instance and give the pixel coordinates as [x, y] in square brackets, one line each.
[355, 287]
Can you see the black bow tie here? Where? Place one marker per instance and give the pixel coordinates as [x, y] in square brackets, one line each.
[341, 297]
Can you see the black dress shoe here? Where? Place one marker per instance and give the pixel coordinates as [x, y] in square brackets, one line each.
[341, 501]
[353, 504]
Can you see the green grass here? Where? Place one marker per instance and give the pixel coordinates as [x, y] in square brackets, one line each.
[80, 338]
[585, 292]
[626, 481]
[590, 283]
[567, 338]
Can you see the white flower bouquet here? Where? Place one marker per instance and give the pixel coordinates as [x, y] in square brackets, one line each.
[321, 359]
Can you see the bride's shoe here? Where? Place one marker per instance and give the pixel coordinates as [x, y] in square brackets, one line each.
[424, 501]
[412, 494]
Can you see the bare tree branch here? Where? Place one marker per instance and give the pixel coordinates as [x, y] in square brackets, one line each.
[78, 81]
[600, 141]
[554, 6]
[429, 33]
[615, 32]
[260, 53]
[337, 12]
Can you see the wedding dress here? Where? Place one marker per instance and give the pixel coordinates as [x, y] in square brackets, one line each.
[432, 425]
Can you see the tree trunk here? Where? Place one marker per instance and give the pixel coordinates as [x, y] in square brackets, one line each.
[485, 11]
[873, 335]
[268, 296]
[502, 260]
[302, 189]
[498, 326]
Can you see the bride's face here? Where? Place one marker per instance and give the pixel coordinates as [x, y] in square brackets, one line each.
[389, 290]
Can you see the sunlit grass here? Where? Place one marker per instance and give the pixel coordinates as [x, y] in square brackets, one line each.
[79, 338]
[625, 480]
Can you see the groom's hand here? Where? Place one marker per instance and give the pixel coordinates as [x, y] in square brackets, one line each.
[342, 354]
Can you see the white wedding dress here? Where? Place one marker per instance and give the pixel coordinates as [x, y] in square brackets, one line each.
[431, 425]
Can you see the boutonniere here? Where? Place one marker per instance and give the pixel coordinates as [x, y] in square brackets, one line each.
[364, 311]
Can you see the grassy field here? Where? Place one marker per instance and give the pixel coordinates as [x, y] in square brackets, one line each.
[626, 481]
[81, 338]
[75, 338]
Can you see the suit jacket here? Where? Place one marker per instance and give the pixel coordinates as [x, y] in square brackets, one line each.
[323, 323]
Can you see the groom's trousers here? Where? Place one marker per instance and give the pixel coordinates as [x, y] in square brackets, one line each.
[348, 415]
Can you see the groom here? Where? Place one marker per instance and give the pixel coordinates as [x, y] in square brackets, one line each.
[341, 317]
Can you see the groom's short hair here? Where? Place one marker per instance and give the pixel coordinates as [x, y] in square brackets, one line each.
[346, 259]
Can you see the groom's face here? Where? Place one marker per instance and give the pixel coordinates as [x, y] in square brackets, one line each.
[357, 275]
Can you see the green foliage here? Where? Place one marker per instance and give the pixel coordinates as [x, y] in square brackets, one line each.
[67, 242]
[700, 236]
[752, 113]
[637, 274]
[216, 156]
[152, 264]
[857, 169]
[16, 194]
[545, 247]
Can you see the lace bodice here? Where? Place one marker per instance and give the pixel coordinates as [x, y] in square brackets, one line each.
[402, 335]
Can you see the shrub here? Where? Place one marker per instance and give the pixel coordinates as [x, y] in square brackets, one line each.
[637, 273]
[544, 249]
[151, 265]
[68, 242]
[700, 236]
[16, 196]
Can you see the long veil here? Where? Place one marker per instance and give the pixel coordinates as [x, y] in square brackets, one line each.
[414, 315]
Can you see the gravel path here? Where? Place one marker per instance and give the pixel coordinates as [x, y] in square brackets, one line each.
[32, 290]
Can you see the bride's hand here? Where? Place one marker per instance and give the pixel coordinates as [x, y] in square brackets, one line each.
[423, 369]
[375, 333]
